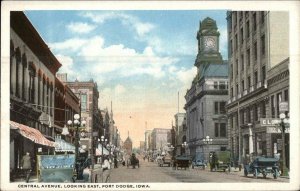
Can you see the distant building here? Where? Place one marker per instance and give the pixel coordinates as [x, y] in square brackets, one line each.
[148, 140]
[89, 95]
[207, 97]
[180, 132]
[127, 146]
[159, 138]
[142, 145]
[259, 80]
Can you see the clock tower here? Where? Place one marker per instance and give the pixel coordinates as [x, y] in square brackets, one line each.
[208, 44]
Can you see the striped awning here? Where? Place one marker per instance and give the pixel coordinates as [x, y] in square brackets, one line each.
[33, 134]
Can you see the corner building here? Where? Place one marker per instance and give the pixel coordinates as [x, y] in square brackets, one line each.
[258, 79]
[207, 97]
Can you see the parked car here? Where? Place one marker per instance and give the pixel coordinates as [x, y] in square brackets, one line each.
[165, 159]
[199, 161]
[264, 166]
[181, 161]
[220, 160]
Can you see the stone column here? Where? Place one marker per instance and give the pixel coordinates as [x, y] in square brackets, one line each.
[20, 80]
[36, 85]
[13, 75]
[26, 84]
[250, 141]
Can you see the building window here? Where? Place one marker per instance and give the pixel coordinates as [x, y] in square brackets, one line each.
[231, 90]
[230, 48]
[263, 45]
[248, 57]
[231, 66]
[231, 122]
[248, 115]
[237, 66]
[279, 99]
[236, 42]
[216, 107]
[262, 17]
[273, 106]
[254, 22]
[263, 73]
[215, 85]
[247, 29]
[263, 109]
[242, 62]
[83, 102]
[249, 82]
[31, 87]
[220, 129]
[255, 113]
[237, 89]
[255, 77]
[216, 129]
[286, 95]
[243, 85]
[242, 35]
[222, 85]
[242, 118]
[222, 107]
[255, 51]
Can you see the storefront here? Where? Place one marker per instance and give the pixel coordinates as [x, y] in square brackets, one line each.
[26, 139]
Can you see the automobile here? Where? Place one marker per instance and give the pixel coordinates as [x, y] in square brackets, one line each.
[165, 159]
[262, 165]
[181, 161]
[198, 163]
[133, 161]
[220, 160]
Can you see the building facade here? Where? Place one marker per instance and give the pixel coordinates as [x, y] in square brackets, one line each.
[32, 81]
[180, 132]
[89, 95]
[160, 138]
[127, 146]
[207, 97]
[258, 79]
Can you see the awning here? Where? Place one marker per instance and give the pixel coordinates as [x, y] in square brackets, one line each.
[63, 146]
[99, 150]
[30, 133]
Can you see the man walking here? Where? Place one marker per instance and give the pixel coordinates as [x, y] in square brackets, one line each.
[26, 165]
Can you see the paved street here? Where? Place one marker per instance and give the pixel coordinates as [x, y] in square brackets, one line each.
[151, 172]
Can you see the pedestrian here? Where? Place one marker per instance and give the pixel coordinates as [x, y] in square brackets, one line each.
[26, 165]
[106, 169]
[115, 162]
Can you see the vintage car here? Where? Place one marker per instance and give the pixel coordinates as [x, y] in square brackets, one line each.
[181, 161]
[165, 159]
[199, 161]
[220, 160]
[133, 161]
[263, 165]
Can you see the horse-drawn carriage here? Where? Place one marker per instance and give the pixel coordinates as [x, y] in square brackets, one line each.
[133, 161]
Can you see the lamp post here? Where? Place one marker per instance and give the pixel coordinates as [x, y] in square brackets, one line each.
[102, 141]
[184, 145]
[207, 140]
[78, 126]
[283, 123]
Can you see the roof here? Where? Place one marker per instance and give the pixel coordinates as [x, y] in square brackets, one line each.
[128, 140]
[215, 70]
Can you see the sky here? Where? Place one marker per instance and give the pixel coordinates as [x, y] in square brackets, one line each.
[141, 60]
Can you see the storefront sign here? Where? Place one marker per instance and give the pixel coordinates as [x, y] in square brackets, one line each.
[277, 130]
[269, 121]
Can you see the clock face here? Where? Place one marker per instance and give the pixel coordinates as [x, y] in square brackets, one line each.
[209, 43]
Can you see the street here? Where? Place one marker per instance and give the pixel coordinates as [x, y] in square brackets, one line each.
[151, 172]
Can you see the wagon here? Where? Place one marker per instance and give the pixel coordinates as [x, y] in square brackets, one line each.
[264, 166]
[182, 162]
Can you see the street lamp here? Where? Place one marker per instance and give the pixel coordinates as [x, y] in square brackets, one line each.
[207, 140]
[283, 123]
[184, 145]
[103, 141]
[76, 125]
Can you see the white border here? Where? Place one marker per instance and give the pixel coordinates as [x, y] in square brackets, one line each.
[291, 6]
